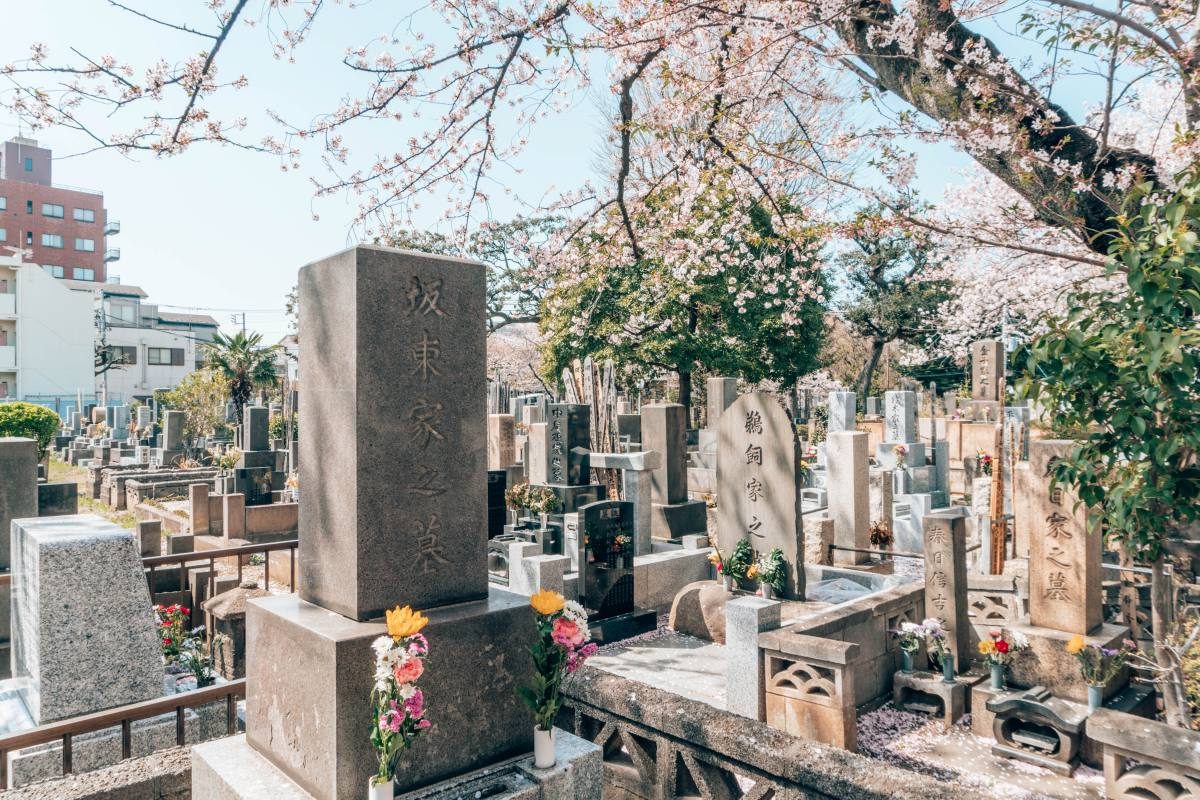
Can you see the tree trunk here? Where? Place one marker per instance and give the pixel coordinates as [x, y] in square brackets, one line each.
[863, 384]
[685, 395]
[1170, 674]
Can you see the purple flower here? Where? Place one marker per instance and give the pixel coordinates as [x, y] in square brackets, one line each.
[415, 705]
[1107, 653]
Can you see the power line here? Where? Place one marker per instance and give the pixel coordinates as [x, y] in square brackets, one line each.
[232, 310]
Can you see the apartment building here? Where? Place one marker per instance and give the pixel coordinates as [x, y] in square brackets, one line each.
[47, 336]
[65, 228]
[157, 348]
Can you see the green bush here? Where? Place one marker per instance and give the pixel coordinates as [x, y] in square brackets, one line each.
[31, 420]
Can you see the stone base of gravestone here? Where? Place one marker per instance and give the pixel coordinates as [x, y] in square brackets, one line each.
[886, 456]
[230, 769]
[79, 579]
[309, 672]
[679, 519]
[570, 498]
[1047, 662]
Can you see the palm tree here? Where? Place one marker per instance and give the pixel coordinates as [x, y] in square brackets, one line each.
[244, 363]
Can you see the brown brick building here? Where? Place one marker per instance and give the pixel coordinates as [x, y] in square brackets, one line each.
[66, 228]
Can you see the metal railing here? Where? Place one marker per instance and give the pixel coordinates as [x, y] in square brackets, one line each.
[189, 560]
[124, 716]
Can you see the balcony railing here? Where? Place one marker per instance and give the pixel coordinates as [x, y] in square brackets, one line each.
[112, 254]
[112, 227]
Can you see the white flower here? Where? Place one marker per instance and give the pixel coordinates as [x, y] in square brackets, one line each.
[381, 645]
[932, 625]
[910, 627]
[575, 613]
[406, 690]
[1020, 641]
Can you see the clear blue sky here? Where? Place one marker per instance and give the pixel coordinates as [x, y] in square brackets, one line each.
[226, 230]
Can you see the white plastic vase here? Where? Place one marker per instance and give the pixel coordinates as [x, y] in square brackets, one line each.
[380, 791]
[543, 748]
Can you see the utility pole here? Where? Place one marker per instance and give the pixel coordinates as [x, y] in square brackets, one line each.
[234, 319]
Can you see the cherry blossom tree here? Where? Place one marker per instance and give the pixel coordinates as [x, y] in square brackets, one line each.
[735, 91]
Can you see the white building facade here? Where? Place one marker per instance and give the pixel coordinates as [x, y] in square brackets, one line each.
[47, 336]
[156, 349]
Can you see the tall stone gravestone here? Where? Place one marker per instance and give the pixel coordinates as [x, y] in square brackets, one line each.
[946, 581]
[568, 467]
[987, 370]
[759, 481]
[78, 580]
[1064, 558]
[664, 430]
[393, 513]
[501, 441]
[721, 394]
[900, 428]
[849, 493]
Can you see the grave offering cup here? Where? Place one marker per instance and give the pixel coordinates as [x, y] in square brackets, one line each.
[906, 662]
[1095, 697]
[998, 676]
[543, 748]
[948, 668]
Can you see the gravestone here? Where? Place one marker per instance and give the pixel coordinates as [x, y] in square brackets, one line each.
[872, 406]
[497, 512]
[987, 370]
[721, 394]
[98, 564]
[1064, 554]
[501, 441]
[255, 484]
[606, 557]
[569, 432]
[950, 401]
[849, 493]
[900, 417]
[395, 385]
[256, 421]
[537, 454]
[759, 482]
[18, 491]
[946, 581]
[673, 515]
[144, 417]
[843, 411]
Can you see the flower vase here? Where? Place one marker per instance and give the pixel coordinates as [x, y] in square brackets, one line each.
[1095, 697]
[948, 668]
[727, 582]
[380, 791]
[543, 748]
[768, 591]
[545, 518]
[906, 664]
[997, 677]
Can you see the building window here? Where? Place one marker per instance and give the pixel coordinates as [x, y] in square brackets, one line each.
[119, 354]
[123, 312]
[29, 165]
[3, 204]
[85, 215]
[3, 388]
[28, 237]
[51, 240]
[86, 245]
[165, 356]
[52, 210]
[83, 274]
[53, 270]
[28, 206]
[3, 235]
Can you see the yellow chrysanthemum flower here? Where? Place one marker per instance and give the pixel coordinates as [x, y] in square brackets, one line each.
[752, 571]
[404, 622]
[547, 602]
[987, 647]
[1076, 645]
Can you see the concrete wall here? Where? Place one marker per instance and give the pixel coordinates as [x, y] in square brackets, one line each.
[54, 337]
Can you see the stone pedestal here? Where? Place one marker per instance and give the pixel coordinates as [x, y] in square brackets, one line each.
[1047, 662]
[84, 635]
[18, 490]
[664, 429]
[673, 521]
[230, 769]
[745, 619]
[928, 693]
[309, 672]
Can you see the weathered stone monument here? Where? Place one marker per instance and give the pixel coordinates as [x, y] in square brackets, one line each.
[847, 481]
[568, 468]
[394, 382]
[501, 441]
[673, 515]
[56, 560]
[843, 412]
[946, 581]
[987, 370]
[759, 483]
[1064, 559]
